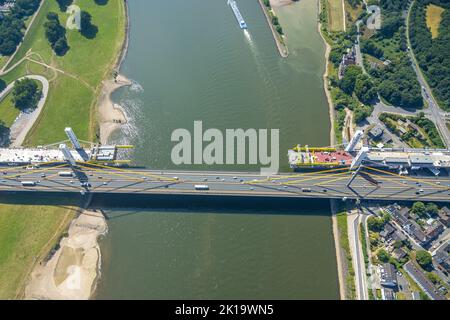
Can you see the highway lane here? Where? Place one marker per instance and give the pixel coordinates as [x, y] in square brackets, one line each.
[327, 184]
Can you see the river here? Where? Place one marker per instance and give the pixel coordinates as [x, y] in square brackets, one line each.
[190, 61]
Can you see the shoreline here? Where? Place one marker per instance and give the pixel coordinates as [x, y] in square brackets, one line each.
[333, 203]
[282, 48]
[73, 270]
[111, 116]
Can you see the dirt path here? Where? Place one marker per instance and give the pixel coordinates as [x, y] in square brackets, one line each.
[63, 72]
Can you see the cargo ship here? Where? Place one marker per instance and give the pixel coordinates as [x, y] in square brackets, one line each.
[237, 14]
[354, 154]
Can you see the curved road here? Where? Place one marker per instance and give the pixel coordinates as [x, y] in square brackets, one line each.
[25, 121]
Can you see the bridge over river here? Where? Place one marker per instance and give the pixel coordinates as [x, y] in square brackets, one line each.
[367, 183]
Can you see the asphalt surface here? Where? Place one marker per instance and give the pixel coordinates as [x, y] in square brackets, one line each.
[369, 184]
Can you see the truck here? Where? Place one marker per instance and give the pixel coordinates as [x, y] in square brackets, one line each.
[201, 187]
[28, 183]
[65, 174]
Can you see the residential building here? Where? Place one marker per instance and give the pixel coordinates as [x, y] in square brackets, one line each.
[444, 216]
[433, 231]
[387, 231]
[388, 276]
[422, 281]
[442, 257]
[399, 254]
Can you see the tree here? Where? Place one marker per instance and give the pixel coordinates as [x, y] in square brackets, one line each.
[419, 209]
[424, 259]
[383, 255]
[364, 89]
[56, 34]
[12, 25]
[390, 25]
[348, 81]
[432, 209]
[88, 29]
[26, 94]
[2, 85]
[432, 53]
[375, 224]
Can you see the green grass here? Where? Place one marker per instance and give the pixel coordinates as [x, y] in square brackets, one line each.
[345, 245]
[335, 15]
[362, 235]
[3, 61]
[27, 233]
[71, 98]
[29, 228]
[8, 111]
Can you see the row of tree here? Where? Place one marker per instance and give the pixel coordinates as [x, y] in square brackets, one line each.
[12, 25]
[433, 54]
[56, 34]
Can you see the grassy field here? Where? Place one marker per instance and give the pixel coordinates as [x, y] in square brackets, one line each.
[8, 112]
[434, 18]
[72, 92]
[30, 227]
[3, 61]
[335, 15]
[27, 233]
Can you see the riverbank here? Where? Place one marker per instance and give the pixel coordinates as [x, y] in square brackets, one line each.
[72, 271]
[111, 115]
[333, 203]
[28, 229]
[281, 46]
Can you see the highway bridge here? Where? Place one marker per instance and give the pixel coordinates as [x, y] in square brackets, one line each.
[367, 183]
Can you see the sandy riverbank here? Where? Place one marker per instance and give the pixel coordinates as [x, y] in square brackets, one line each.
[280, 3]
[111, 115]
[72, 271]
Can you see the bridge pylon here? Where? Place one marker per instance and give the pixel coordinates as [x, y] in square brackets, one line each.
[67, 154]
